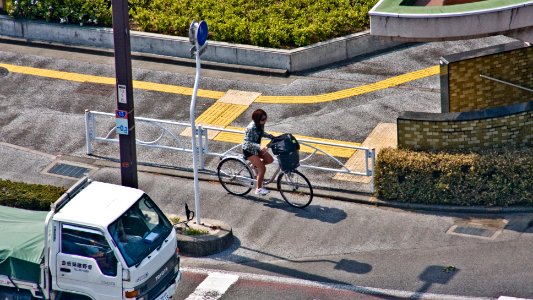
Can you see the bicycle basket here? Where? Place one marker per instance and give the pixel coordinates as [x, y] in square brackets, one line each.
[284, 144]
[289, 162]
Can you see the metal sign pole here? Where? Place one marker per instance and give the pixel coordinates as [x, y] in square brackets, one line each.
[198, 35]
[193, 130]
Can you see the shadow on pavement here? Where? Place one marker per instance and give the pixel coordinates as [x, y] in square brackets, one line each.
[434, 275]
[346, 265]
[313, 212]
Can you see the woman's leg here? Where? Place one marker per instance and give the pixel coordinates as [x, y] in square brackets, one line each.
[266, 157]
[261, 169]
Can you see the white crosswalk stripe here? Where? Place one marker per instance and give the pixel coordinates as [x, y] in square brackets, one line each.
[213, 287]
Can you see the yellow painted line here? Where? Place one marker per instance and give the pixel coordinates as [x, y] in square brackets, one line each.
[356, 91]
[221, 114]
[150, 86]
[236, 138]
[158, 87]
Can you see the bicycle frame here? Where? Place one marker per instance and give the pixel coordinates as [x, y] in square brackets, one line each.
[252, 182]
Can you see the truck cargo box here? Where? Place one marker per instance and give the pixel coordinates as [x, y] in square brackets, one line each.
[21, 243]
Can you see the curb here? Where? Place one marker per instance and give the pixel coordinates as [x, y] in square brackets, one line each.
[321, 191]
[215, 241]
[245, 56]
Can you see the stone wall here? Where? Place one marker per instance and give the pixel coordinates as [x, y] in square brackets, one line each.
[464, 89]
[508, 126]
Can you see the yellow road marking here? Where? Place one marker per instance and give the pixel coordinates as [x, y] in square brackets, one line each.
[166, 88]
[221, 114]
[236, 138]
[151, 86]
[356, 91]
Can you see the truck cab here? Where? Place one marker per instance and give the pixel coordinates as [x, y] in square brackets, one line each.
[111, 242]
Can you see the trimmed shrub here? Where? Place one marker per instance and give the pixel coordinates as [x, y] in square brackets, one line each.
[28, 196]
[268, 23]
[82, 12]
[488, 178]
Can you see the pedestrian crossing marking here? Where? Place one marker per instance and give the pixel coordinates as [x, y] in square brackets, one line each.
[213, 287]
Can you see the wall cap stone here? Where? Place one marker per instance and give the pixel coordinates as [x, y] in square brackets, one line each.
[456, 57]
[495, 112]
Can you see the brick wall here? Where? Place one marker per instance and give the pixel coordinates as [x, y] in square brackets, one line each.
[463, 89]
[493, 128]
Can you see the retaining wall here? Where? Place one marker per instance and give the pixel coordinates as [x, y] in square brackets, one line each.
[508, 126]
[463, 89]
[299, 59]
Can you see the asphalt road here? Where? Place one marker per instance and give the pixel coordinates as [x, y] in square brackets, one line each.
[330, 241]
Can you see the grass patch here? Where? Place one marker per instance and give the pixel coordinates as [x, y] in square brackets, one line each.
[193, 231]
[28, 196]
[174, 220]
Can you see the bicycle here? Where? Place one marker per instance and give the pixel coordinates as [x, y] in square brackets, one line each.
[237, 175]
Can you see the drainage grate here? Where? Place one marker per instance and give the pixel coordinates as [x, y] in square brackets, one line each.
[68, 170]
[476, 231]
[3, 72]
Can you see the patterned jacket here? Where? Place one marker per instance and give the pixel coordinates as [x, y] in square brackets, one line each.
[252, 138]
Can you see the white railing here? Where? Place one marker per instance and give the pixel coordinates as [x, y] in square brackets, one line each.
[167, 136]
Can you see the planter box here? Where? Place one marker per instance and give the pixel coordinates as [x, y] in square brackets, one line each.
[293, 60]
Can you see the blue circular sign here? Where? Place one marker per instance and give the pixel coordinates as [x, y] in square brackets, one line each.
[201, 33]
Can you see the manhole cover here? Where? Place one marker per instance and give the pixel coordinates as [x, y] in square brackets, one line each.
[476, 231]
[68, 170]
[3, 72]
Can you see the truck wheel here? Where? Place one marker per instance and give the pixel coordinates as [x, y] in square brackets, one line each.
[8, 293]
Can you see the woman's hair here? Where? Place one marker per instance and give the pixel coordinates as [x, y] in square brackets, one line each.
[257, 115]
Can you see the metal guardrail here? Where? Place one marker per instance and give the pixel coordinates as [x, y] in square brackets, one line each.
[168, 138]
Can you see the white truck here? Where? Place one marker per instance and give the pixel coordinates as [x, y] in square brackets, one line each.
[98, 241]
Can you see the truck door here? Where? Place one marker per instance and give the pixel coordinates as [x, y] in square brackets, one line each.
[87, 265]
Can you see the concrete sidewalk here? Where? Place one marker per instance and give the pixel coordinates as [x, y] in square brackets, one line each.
[330, 241]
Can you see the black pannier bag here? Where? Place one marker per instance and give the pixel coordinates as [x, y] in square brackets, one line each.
[289, 162]
[286, 147]
[284, 144]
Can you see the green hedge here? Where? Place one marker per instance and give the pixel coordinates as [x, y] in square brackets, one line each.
[269, 23]
[488, 179]
[28, 196]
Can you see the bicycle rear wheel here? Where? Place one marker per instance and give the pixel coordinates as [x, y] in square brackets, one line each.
[235, 176]
[295, 188]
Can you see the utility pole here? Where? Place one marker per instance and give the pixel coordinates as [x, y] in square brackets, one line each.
[124, 88]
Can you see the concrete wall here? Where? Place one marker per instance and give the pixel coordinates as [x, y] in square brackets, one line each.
[463, 89]
[299, 59]
[451, 26]
[508, 126]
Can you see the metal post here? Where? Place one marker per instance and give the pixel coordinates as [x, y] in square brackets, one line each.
[193, 130]
[373, 163]
[124, 89]
[88, 129]
[201, 146]
[206, 134]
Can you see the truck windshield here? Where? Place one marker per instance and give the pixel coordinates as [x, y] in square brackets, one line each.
[140, 230]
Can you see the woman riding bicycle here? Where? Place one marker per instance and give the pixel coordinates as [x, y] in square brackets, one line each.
[252, 150]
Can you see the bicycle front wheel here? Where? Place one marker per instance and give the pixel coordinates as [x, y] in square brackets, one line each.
[295, 188]
[235, 176]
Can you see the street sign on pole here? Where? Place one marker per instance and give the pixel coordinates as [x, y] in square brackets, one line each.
[197, 33]
[121, 119]
[201, 33]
